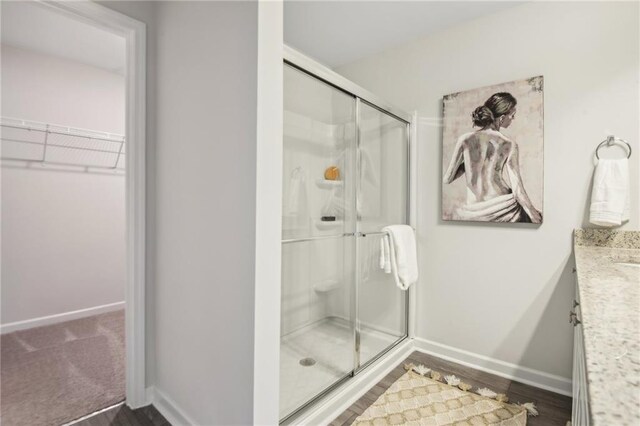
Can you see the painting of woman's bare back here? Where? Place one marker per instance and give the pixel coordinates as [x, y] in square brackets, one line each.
[492, 153]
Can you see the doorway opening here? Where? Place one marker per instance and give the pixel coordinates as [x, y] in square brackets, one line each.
[72, 130]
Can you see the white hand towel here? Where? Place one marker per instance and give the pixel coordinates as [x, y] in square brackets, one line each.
[385, 254]
[610, 194]
[402, 256]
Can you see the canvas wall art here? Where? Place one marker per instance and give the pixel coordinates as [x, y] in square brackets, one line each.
[492, 153]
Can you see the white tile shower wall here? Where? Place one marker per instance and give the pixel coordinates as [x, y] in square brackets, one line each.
[63, 232]
[318, 131]
[382, 202]
[315, 284]
[310, 146]
[381, 303]
[504, 291]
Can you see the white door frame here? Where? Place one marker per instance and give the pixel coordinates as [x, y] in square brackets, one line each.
[135, 77]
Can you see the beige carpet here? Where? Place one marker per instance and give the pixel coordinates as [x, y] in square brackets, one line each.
[58, 373]
[417, 400]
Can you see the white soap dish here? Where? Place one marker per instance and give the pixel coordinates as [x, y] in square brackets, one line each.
[329, 184]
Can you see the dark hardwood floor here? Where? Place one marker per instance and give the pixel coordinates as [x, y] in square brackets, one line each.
[554, 409]
[122, 415]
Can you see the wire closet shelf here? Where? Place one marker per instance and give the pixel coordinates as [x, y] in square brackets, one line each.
[46, 143]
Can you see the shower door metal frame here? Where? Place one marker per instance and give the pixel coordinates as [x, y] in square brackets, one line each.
[359, 101]
[318, 71]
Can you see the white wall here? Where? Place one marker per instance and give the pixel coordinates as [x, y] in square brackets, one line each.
[497, 290]
[63, 230]
[201, 195]
[205, 163]
[206, 159]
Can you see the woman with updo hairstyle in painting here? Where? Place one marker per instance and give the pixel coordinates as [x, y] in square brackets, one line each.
[484, 156]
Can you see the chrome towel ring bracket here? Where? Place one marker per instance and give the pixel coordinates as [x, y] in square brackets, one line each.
[610, 140]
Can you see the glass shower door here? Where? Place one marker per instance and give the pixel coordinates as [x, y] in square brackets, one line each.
[345, 177]
[382, 200]
[318, 239]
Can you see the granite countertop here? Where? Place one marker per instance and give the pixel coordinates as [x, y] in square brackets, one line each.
[610, 313]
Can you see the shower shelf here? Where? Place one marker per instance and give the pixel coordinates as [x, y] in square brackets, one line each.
[329, 184]
[322, 224]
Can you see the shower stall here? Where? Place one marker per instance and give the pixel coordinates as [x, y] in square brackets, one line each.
[345, 177]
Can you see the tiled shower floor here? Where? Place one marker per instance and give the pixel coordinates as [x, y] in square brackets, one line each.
[330, 343]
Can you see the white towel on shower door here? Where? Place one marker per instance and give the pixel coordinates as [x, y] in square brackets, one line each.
[401, 255]
[610, 194]
[385, 254]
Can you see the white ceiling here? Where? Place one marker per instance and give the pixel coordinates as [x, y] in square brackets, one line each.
[338, 32]
[31, 26]
[333, 32]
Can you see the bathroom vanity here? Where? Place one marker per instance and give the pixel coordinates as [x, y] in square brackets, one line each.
[606, 319]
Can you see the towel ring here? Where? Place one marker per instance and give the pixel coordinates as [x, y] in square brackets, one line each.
[610, 140]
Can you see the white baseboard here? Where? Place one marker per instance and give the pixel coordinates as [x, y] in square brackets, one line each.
[54, 319]
[528, 376]
[168, 408]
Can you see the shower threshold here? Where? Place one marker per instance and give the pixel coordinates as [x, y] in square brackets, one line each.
[329, 342]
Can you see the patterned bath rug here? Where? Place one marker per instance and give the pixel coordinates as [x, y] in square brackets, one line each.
[417, 400]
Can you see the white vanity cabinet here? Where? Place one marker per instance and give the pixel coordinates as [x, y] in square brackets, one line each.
[580, 411]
